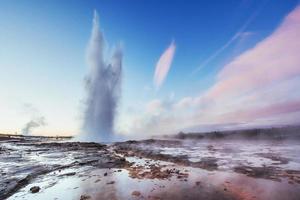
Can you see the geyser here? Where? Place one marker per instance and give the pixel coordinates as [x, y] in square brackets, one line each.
[103, 85]
[34, 123]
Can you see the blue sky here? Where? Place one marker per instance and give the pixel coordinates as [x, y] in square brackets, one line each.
[43, 45]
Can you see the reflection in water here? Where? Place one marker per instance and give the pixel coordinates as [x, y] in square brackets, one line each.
[117, 184]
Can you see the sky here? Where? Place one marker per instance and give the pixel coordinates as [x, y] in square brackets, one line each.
[187, 65]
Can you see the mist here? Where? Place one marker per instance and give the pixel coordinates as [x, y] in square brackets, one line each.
[32, 124]
[103, 88]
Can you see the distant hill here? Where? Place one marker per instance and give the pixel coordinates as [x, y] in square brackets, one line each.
[281, 133]
[4, 136]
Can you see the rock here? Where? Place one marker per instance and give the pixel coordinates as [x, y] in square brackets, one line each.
[105, 174]
[136, 193]
[35, 189]
[122, 159]
[68, 174]
[96, 181]
[85, 197]
[111, 182]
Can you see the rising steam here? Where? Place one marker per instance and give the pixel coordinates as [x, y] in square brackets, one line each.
[34, 123]
[103, 88]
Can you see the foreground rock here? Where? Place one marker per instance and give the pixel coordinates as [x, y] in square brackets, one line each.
[149, 169]
[136, 193]
[85, 197]
[35, 189]
[21, 161]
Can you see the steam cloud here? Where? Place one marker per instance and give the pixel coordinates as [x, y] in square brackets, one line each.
[103, 85]
[34, 123]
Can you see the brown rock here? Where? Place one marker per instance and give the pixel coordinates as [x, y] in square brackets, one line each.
[96, 181]
[85, 197]
[35, 189]
[68, 174]
[136, 193]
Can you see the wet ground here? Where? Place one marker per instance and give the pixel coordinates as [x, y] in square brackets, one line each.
[40, 168]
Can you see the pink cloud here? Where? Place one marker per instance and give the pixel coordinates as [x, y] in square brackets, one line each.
[163, 65]
[274, 59]
[262, 112]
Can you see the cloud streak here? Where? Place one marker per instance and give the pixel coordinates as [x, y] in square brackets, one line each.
[163, 65]
[235, 37]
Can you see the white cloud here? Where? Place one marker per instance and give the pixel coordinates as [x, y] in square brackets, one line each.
[163, 65]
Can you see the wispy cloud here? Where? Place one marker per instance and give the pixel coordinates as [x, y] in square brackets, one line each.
[163, 65]
[259, 87]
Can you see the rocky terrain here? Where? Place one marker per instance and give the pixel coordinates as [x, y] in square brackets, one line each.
[55, 168]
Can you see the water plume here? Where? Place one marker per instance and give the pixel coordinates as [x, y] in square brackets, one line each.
[103, 85]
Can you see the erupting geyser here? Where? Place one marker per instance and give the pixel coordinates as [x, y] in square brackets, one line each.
[103, 88]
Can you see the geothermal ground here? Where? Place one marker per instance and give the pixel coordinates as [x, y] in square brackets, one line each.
[49, 168]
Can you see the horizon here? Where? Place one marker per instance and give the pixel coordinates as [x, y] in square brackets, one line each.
[200, 66]
[167, 135]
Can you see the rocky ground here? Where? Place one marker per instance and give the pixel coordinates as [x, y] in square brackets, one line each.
[47, 168]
